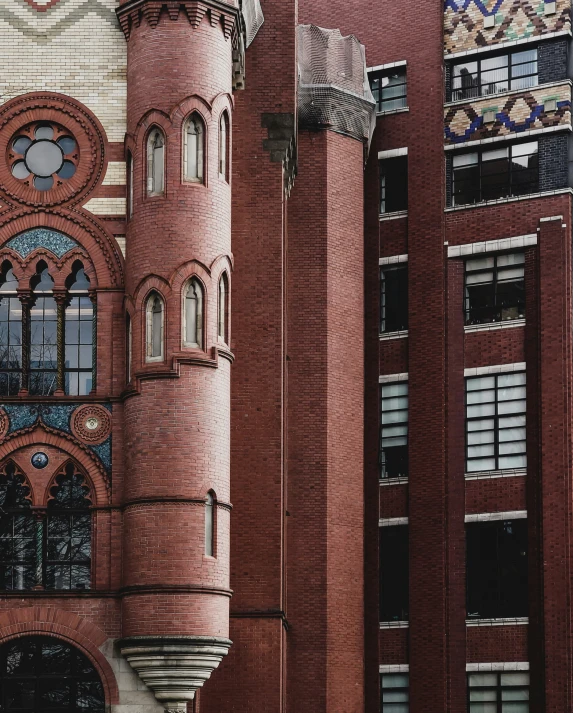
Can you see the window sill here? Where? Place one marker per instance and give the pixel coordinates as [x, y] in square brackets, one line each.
[508, 137]
[492, 326]
[154, 360]
[517, 621]
[512, 199]
[394, 624]
[489, 474]
[389, 112]
[384, 482]
[387, 336]
[393, 216]
[471, 100]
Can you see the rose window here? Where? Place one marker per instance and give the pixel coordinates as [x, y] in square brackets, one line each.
[44, 155]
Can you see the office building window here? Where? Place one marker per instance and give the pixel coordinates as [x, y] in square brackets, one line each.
[496, 569]
[495, 288]
[394, 184]
[495, 423]
[394, 573]
[492, 75]
[393, 298]
[498, 692]
[395, 692]
[394, 430]
[389, 88]
[511, 170]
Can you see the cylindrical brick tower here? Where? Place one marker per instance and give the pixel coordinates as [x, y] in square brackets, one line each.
[182, 58]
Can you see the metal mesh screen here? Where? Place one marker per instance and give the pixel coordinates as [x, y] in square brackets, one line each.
[333, 88]
[253, 17]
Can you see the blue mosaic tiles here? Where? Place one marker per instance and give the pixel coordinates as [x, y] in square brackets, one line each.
[25, 243]
[55, 416]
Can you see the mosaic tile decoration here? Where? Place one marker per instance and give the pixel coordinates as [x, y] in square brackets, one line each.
[514, 20]
[25, 243]
[513, 114]
[55, 416]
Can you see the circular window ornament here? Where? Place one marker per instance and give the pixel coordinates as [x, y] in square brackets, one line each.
[53, 148]
[43, 156]
[91, 423]
[39, 460]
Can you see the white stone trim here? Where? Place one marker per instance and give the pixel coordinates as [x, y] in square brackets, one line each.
[115, 174]
[546, 85]
[506, 45]
[393, 216]
[511, 199]
[392, 153]
[493, 246]
[393, 259]
[394, 668]
[498, 369]
[550, 218]
[498, 666]
[490, 474]
[401, 110]
[508, 324]
[394, 625]
[121, 241]
[506, 621]
[106, 206]
[493, 516]
[388, 336]
[509, 137]
[390, 65]
[393, 481]
[392, 521]
[390, 378]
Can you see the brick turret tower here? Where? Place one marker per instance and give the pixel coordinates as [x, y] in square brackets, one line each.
[181, 65]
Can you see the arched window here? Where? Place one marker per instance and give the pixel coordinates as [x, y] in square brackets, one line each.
[194, 314]
[223, 309]
[79, 334]
[129, 185]
[67, 561]
[43, 334]
[194, 140]
[10, 333]
[210, 525]
[18, 565]
[223, 145]
[155, 322]
[43, 673]
[155, 162]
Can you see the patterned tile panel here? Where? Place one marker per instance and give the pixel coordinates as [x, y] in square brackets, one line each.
[465, 22]
[512, 114]
[27, 242]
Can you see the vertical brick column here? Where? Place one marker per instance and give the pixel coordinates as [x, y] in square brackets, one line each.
[326, 427]
[554, 475]
[177, 427]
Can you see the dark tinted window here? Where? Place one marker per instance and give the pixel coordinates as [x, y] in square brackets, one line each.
[394, 572]
[394, 184]
[393, 298]
[495, 288]
[389, 88]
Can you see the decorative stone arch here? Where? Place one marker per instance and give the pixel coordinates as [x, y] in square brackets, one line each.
[99, 245]
[53, 482]
[221, 103]
[67, 626]
[179, 280]
[39, 434]
[221, 264]
[27, 483]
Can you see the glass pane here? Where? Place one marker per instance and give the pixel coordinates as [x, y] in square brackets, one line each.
[515, 678]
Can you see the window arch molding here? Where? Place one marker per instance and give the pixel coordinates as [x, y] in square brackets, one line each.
[195, 143]
[155, 306]
[155, 161]
[194, 338]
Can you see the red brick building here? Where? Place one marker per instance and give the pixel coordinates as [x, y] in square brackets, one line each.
[285, 356]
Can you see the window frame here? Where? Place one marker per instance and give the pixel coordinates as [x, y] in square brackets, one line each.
[479, 60]
[378, 92]
[223, 309]
[210, 549]
[499, 688]
[224, 136]
[397, 557]
[149, 334]
[197, 120]
[401, 298]
[151, 188]
[477, 191]
[401, 190]
[496, 308]
[201, 317]
[394, 424]
[495, 417]
[396, 689]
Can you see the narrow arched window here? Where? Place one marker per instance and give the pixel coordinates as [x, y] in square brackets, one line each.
[194, 314]
[194, 149]
[155, 162]
[129, 185]
[18, 532]
[210, 525]
[223, 145]
[79, 344]
[67, 561]
[10, 333]
[128, 343]
[223, 309]
[43, 334]
[155, 322]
